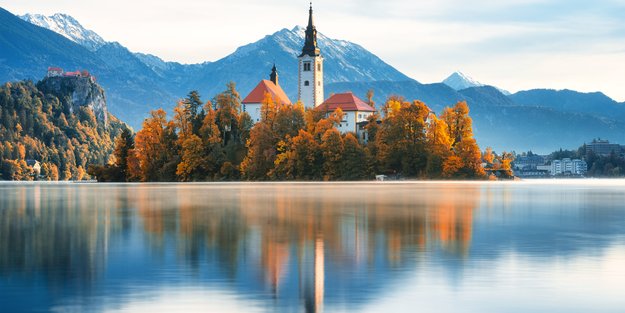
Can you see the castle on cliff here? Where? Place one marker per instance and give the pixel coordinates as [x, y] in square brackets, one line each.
[58, 72]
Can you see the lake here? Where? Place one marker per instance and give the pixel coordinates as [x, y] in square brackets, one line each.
[530, 246]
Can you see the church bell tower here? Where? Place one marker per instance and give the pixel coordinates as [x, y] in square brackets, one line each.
[310, 87]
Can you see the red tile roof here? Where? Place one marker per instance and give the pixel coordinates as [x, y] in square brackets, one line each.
[76, 73]
[258, 93]
[346, 101]
[56, 69]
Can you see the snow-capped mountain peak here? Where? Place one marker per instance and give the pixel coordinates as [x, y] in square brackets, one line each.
[459, 81]
[67, 26]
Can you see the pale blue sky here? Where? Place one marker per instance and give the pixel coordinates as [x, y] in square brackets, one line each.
[515, 44]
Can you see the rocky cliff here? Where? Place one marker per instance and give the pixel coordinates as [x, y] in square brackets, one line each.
[62, 123]
[80, 92]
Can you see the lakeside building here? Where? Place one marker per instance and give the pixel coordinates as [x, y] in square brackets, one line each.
[536, 166]
[567, 166]
[533, 166]
[530, 162]
[604, 147]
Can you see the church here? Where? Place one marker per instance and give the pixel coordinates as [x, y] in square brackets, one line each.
[310, 88]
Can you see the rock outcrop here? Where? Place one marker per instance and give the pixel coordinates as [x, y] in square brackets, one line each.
[81, 90]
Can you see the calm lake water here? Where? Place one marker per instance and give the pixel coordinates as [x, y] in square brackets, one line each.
[541, 246]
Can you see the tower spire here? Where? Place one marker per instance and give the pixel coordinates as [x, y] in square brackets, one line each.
[310, 45]
[274, 75]
[310, 16]
[310, 69]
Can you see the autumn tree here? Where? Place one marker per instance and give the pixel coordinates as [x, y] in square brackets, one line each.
[353, 162]
[464, 146]
[261, 153]
[299, 158]
[459, 124]
[233, 126]
[312, 117]
[401, 137]
[488, 156]
[268, 109]
[452, 166]
[289, 120]
[118, 171]
[228, 104]
[332, 150]
[153, 145]
[323, 125]
[438, 145]
[191, 166]
[471, 157]
[279, 124]
[202, 154]
[504, 164]
[183, 120]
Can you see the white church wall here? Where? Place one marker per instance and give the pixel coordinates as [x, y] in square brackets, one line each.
[253, 109]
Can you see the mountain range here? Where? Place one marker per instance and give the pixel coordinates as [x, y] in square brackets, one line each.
[541, 120]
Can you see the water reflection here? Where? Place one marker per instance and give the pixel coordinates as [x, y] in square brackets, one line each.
[285, 247]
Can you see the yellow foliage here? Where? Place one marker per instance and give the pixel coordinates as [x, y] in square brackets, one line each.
[488, 155]
[268, 109]
[451, 166]
[192, 157]
[438, 138]
[459, 124]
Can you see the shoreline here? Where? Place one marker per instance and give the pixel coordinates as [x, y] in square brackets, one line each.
[533, 181]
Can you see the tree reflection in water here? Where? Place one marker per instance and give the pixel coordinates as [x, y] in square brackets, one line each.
[296, 245]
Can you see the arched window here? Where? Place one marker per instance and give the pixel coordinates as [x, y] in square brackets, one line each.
[306, 83]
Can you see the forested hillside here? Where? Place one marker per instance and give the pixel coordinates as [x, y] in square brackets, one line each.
[51, 123]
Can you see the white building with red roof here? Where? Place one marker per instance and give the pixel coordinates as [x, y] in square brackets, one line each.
[253, 101]
[354, 110]
[54, 71]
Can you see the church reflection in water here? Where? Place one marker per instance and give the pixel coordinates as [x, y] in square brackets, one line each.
[296, 246]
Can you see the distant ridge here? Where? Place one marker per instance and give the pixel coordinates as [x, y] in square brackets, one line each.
[540, 120]
[595, 103]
